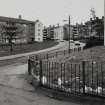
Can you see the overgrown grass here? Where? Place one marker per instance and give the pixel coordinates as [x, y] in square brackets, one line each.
[24, 48]
[71, 72]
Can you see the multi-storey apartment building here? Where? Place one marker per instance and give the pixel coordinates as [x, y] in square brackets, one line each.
[48, 32]
[59, 32]
[66, 32]
[83, 31]
[26, 31]
[38, 31]
[95, 27]
[23, 29]
[53, 32]
[75, 31]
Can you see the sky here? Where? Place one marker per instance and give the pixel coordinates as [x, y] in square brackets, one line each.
[52, 11]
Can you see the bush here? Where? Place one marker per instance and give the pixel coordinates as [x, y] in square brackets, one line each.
[93, 41]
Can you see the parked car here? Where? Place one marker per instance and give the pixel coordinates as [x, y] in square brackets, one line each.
[77, 43]
[71, 41]
[61, 40]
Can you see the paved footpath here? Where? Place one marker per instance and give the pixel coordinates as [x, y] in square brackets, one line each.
[14, 89]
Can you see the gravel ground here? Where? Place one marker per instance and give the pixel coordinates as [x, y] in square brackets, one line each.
[14, 89]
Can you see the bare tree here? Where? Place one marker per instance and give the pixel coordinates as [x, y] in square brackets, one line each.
[10, 33]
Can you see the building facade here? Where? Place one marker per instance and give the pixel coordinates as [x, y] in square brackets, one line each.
[95, 27]
[83, 31]
[59, 33]
[38, 31]
[24, 30]
[48, 32]
[66, 32]
[75, 31]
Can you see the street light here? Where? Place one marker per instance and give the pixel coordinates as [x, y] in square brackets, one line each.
[69, 34]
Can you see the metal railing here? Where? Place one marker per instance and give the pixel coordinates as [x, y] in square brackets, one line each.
[78, 78]
[54, 54]
[82, 78]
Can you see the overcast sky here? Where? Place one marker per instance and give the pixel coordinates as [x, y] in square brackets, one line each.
[51, 11]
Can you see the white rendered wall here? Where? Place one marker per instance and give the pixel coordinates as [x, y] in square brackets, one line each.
[38, 31]
[59, 33]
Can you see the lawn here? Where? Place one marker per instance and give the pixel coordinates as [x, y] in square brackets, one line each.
[24, 48]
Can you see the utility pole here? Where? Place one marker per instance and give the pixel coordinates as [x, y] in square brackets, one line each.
[104, 22]
[69, 34]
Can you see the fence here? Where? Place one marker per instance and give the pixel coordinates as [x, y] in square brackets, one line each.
[55, 54]
[82, 78]
[78, 78]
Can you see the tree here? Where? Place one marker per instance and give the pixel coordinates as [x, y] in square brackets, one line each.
[10, 33]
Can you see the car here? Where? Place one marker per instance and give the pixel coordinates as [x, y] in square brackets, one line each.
[61, 40]
[77, 43]
[71, 41]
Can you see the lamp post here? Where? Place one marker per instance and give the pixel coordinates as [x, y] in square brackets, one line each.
[69, 34]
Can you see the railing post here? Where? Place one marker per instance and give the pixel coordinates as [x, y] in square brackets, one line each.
[40, 73]
[47, 56]
[29, 66]
[56, 54]
[83, 74]
[36, 57]
[69, 51]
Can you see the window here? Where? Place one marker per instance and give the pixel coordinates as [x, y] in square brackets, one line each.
[38, 34]
[38, 38]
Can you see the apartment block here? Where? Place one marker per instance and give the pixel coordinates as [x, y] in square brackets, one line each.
[59, 33]
[38, 31]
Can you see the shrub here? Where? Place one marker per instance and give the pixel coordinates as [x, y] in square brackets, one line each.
[93, 41]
